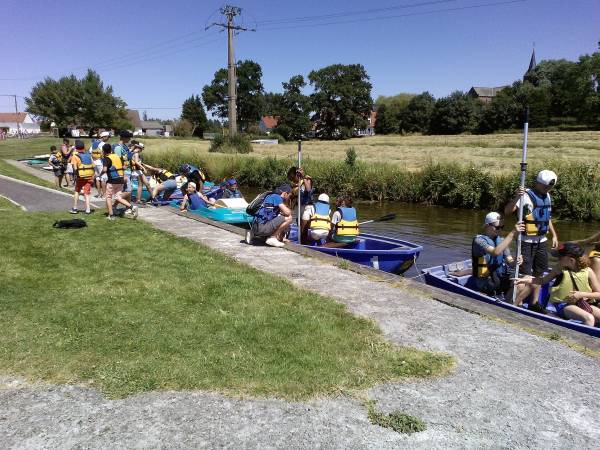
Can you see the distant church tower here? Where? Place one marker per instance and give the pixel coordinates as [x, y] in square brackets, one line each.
[529, 75]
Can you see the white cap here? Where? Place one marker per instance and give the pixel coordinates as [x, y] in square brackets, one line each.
[191, 183]
[547, 178]
[492, 218]
[104, 134]
[139, 145]
[324, 198]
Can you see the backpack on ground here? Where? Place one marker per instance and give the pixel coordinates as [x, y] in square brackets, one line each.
[257, 203]
[70, 223]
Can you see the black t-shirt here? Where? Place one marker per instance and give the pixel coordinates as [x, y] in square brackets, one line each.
[106, 162]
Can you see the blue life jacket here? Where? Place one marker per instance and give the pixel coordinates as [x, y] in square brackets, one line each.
[233, 194]
[485, 265]
[95, 143]
[195, 201]
[348, 214]
[537, 222]
[268, 211]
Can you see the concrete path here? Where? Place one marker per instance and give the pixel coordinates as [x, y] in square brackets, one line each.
[510, 389]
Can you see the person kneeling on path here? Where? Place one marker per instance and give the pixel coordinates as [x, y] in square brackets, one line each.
[575, 285]
[194, 199]
[83, 168]
[273, 218]
[492, 263]
[166, 182]
[316, 219]
[113, 168]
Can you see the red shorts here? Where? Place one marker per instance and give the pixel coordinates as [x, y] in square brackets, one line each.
[85, 184]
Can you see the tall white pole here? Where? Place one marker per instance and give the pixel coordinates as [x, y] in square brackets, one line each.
[299, 199]
[521, 203]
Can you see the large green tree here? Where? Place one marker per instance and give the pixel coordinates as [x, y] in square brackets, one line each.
[341, 99]
[417, 115]
[294, 119]
[393, 109]
[249, 93]
[455, 114]
[86, 102]
[193, 111]
[387, 121]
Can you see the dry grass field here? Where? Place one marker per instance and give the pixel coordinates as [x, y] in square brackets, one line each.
[494, 152]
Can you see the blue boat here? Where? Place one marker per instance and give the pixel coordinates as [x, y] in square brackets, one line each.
[220, 213]
[440, 277]
[379, 252]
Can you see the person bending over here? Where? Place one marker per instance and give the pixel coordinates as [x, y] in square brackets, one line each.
[165, 182]
[273, 218]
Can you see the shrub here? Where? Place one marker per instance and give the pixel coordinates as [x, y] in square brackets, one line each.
[351, 156]
[183, 128]
[230, 144]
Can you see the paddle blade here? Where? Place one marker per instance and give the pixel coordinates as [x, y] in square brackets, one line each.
[386, 218]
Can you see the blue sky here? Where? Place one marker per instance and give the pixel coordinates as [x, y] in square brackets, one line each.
[155, 53]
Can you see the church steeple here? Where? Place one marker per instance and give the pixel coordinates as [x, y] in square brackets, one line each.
[532, 65]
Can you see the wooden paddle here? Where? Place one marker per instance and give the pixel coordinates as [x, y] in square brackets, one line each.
[385, 218]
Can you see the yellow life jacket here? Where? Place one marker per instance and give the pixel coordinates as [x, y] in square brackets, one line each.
[564, 284]
[484, 265]
[320, 219]
[97, 153]
[348, 225]
[537, 221]
[84, 164]
[116, 169]
[596, 252]
[163, 175]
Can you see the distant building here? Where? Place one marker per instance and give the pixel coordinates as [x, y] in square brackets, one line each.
[267, 123]
[484, 94]
[529, 75]
[26, 123]
[370, 130]
[152, 128]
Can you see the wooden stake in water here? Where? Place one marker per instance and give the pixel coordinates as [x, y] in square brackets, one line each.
[299, 185]
[521, 203]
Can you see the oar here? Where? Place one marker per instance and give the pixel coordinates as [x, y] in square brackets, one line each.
[385, 218]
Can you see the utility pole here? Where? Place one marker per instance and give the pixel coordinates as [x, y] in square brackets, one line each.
[17, 118]
[230, 12]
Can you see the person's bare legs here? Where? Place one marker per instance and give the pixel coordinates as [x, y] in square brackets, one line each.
[86, 196]
[75, 199]
[281, 229]
[576, 313]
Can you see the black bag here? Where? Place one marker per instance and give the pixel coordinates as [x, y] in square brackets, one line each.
[70, 223]
[257, 203]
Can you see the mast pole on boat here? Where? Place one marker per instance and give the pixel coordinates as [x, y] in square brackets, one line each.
[521, 203]
[299, 199]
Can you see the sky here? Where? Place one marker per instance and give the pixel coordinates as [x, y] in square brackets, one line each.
[155, 54]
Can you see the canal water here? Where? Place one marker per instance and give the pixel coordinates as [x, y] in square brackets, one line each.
[444, 233]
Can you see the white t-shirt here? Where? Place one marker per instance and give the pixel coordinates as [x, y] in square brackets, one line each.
[527, 208]
[337, 216]
[309, 210]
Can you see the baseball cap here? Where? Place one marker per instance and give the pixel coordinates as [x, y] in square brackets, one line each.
[104, 134]
[79, 145]
[569, 249]
[284, 188]
[324, 198]
[139, 145]
[492, 218]
[547, 178]
[231, 181]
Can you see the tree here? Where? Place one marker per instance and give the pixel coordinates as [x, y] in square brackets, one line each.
[538, 99]
[272, 104]
[417, 114]
[83, 102]
[342, 99]
[455, 114]
[183, 128]
[294, 120]
[387, 121]
[501, 114]
[395, 108]
[249, 93]
[193, 111]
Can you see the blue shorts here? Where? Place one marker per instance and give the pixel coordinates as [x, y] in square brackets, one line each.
[560, 308]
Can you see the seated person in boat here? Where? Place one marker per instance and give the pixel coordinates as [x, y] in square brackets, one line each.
[344, 223]
[230, 189]
[491, 259]
[274, 217]
[575, 287]
[593, 243]
[194, 199]
[192, 173]
[316, 220]
[165, 182]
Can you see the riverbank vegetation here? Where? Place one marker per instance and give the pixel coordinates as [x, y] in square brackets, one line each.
[125, 329]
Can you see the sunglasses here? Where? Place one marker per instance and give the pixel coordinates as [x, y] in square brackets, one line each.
[498, 227]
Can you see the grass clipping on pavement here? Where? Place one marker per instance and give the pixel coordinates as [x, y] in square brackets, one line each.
[129, 309]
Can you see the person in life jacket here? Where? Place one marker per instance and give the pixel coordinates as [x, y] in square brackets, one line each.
[491, 261]
[138, 172]
[96, 151]
[192, 173]
[194, 199]
[83, 167]
[537, 215]
[115, 178]
[123, 151]
[55, 162]
[66, 151]
[303, 186]
[344, 222]
[273, 218]
[230, 189]
[575, 287]
[316, 220]
[165, 179]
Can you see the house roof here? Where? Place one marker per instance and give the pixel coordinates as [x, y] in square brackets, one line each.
[13, 117]
[134, 117]
[151, 124]
[486, 91]
[270, 121]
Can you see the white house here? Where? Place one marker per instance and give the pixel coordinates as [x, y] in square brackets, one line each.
[8, 123]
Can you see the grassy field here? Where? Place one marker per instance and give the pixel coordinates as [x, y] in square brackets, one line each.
[495, 151]
[128, 309]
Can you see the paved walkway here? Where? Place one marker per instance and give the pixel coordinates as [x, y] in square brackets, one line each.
[510, 389]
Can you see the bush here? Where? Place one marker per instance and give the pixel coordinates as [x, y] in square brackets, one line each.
[234, 144]
[183, 128]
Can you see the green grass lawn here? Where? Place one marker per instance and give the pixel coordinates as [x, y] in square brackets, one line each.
[129, 309]
[14, 172]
